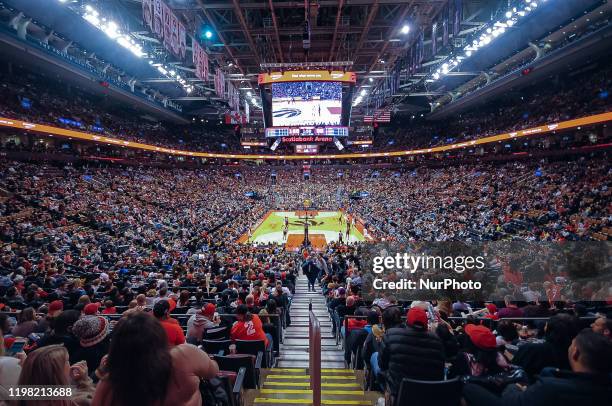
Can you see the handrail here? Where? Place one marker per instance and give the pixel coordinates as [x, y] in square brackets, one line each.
[314, 338]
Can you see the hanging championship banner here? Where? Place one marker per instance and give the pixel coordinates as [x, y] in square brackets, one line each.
[182, 38]
[162, 22]
[157, 18]
[200, 60]
[220, 83]
[147, 12]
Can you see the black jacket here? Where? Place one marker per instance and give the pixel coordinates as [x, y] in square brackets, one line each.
[407, 352]
[533, 357]
[561, 388]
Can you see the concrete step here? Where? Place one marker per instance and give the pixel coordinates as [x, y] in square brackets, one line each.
[292, 341]
[304, 364]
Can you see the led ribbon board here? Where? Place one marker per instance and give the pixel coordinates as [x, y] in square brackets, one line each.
[81, 135]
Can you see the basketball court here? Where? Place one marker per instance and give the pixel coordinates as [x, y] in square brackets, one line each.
[323, 227]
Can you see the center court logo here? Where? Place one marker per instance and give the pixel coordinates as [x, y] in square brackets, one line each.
[287, 113]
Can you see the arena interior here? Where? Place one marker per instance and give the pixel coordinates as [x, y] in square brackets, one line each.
[209, 202]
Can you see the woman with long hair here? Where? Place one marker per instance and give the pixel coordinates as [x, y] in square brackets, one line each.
[49, 366]
[142, 369]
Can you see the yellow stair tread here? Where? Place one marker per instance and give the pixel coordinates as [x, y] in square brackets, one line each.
[309, 401]
[308, 377]
[324, 384]
[308, 391]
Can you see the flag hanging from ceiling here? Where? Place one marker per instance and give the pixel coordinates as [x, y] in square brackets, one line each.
[234, 117]
[379, 116]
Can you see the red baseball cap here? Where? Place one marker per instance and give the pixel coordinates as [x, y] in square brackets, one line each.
[416, 315]
[91, 309]
[481, 336]
[55, 307]
[209, 309]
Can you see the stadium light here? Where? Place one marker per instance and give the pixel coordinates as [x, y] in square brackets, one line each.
[208, 34]
[363, 92]
[488, 33]
[111, 29]
[249, 93]
[405, 29]
[371, 80]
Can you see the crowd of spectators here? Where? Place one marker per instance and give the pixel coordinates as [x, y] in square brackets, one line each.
[97, 262]
[538, 347]
[87, 246]
[307, 90]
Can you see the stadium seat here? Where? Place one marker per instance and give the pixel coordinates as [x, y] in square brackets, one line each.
[220, 347]
[427, 393]
[235, 362]
[255, 347]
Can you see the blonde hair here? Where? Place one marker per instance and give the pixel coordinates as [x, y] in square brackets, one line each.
[45, 366]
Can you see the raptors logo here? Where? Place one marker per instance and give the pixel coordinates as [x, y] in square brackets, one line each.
[287, 113]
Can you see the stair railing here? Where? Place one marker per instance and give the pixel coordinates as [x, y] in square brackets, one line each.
[314, 338]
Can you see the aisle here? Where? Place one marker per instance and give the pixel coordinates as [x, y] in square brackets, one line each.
[294, 349]
[289, 382]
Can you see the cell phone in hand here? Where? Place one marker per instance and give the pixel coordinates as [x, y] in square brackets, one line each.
[15, 348]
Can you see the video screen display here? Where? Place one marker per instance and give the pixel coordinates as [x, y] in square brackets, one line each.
[306, 103]
[306, 149]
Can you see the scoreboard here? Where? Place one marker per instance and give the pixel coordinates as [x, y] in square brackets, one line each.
[326, 131]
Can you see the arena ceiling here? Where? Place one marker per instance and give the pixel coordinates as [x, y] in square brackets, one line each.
[248, 35]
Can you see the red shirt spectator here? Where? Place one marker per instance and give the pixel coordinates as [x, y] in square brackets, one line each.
[248, 327]
[174, 331]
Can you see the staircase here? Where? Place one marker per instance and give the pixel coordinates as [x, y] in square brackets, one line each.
[289, 382]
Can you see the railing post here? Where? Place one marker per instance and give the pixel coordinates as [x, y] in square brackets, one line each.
[314, 337]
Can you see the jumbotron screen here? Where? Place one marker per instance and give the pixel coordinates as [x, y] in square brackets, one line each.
[306, 103]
